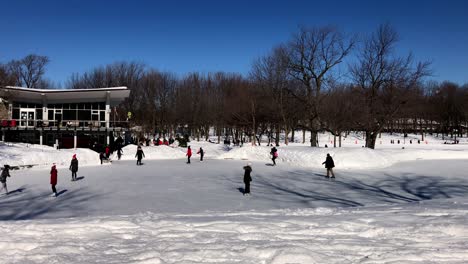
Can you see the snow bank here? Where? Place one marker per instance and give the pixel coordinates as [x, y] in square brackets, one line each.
[346, 158]
[20, 154]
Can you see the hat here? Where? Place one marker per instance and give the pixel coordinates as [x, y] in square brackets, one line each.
[250, 163]
[74, 156]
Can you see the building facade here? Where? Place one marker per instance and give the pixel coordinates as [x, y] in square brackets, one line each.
[64, 118]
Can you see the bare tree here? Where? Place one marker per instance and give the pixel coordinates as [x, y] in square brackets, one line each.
[384, 80]
[312, 54]
[29, 71]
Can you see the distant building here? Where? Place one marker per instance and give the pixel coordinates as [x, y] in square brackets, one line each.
[66, 118]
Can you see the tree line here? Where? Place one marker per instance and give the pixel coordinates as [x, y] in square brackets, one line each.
[321, 79]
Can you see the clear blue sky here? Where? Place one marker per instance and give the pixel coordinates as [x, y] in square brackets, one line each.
[204, 36]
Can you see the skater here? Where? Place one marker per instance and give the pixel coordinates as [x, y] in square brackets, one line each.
[3, 177]
[189, 154]
[74, 167]
[53, 179]
[102, 156]
[247, 178]
[107, 152]
[329, 164]
[119, 153]
[274, 155]
[201, 152]
[139, 155]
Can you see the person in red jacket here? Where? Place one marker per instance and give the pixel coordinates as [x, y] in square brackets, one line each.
[189, 154]
[53, 179]
[107, 151]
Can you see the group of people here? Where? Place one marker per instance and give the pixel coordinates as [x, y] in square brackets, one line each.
[329, 165]
[53, 175]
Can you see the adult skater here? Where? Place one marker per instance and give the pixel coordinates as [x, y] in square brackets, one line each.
[74, 167]
[3, 177]
[329, 164]
[274, 155]
[201, 152]
[119, 153]
[189, 154]
[139, 155]
[247, 178]
[53, 179]
[107, 152]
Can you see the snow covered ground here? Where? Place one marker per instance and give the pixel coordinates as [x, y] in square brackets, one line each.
[389, 205]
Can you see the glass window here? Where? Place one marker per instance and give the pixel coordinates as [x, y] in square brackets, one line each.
[39, 113]
[80, 106]
[51, 114]
[102, 115]
[84, 115]
[69, 114]
[16, 114]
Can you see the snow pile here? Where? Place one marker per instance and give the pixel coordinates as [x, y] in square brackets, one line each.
[21, 154]
[345, 158]
[434, 231]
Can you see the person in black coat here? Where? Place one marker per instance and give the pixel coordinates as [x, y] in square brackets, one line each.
[74, 167]
[3, 177]
[139, 155]
[202, 153]
[329, 164]
[247, 178]
[119, 153]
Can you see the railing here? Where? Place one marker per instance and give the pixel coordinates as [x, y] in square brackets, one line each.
[25, 123]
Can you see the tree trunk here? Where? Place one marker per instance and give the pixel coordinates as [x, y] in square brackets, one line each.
[340, 139]
[371, 138]
[334, 140]
[303, 136]
[292, 135]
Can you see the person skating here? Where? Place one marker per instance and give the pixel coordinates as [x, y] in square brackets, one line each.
[107, 152]
[189, 154]
[247, 178]
[53, 179]
[139, 155]
[329, 164]
[201, 152]
[274, 155]
[3, 177]
[119, 153]
[74, 167]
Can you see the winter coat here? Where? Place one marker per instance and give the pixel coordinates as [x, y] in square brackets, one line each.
[274, 152]
[140, 154]
[189, 152]
[74, 165]
[247, 171]
[53, 176]
[107, 151]
[201, 152]
[329, 163]
[4, 175]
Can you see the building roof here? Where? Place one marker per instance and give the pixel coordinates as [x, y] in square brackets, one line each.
[55, 96]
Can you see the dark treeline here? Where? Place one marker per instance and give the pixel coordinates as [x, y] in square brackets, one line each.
[320, 80]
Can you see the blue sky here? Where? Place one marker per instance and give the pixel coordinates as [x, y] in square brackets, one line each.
[204, 36]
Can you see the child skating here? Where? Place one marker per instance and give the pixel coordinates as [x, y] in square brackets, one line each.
[139, 155]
